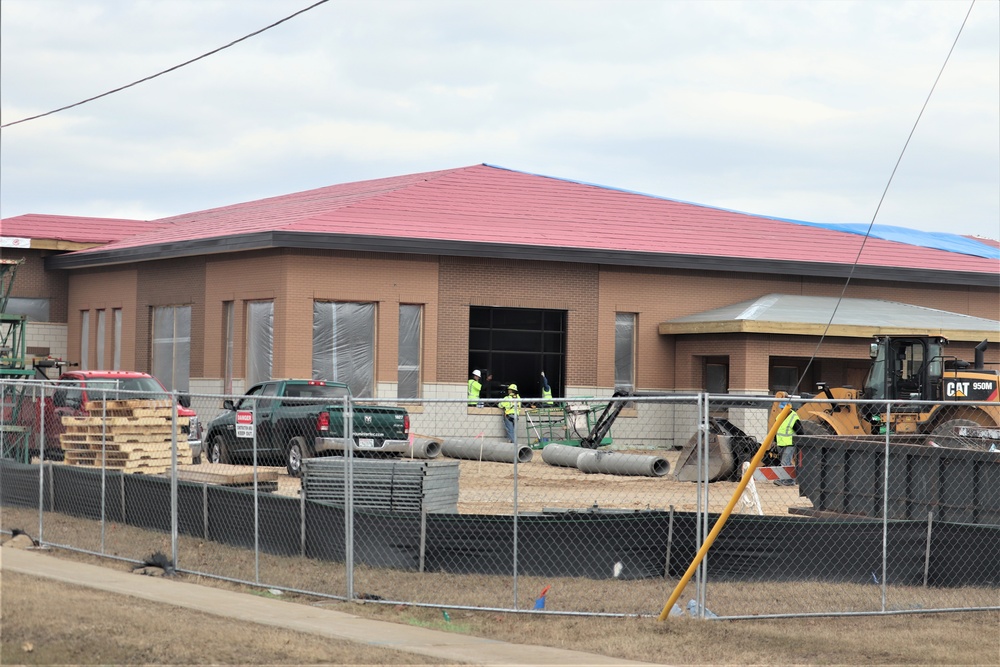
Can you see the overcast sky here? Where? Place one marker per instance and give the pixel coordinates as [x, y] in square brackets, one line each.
[788, 109]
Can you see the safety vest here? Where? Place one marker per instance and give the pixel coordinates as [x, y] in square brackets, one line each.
[474, 388]
[787, 430]
[547, 394]
[510, 406]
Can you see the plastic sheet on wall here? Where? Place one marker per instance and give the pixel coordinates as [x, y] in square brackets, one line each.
[344, 345]
[172, 346]
[624, 351]
[409, 351]
[36, 310]
[260, 341]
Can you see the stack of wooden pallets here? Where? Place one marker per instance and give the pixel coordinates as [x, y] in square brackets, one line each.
[132, 436]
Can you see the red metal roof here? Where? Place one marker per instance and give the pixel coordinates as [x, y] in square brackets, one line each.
[491, 205]
[73, 228]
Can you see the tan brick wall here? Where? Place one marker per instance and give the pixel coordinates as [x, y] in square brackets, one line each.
[447, 286]
[294, 279]
[518, 284]
[171, 282]
[95, 289]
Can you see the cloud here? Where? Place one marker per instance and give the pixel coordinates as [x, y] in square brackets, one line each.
[787, 109]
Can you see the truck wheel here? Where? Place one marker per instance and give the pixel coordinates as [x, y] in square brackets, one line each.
[944, 435]
[296, 452]
[217, 452]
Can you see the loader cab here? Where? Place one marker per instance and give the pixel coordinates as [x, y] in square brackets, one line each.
[907, 367]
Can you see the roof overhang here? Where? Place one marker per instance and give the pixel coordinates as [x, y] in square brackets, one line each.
[808, 329]
[411, 246]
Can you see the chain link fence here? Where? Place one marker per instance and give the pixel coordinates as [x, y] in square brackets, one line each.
[599, 506]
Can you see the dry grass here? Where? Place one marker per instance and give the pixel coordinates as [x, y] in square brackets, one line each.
[957, 638]
[50, 623]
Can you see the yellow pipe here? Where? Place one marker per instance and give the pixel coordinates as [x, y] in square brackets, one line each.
[717, 528]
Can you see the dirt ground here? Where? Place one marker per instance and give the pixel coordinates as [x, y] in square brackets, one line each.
[487, 488]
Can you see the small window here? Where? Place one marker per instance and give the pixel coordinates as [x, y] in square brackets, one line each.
[116, 339]
[784, 378]
[408, 373]
[625, 352]
[100, 338]
[84, 339]
[717, 375]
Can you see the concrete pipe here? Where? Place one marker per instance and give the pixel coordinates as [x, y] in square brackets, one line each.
[612, 463]
[425, 448]
[561, 455]
[481, 450]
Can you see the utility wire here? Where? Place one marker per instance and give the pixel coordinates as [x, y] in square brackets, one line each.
[882, 199]
[171, 69]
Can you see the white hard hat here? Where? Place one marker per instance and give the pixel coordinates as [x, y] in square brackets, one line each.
[476, 373]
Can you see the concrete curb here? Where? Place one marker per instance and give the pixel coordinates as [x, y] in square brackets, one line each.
[293, 616]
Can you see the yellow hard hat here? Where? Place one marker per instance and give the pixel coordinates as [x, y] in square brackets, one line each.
[512, 387]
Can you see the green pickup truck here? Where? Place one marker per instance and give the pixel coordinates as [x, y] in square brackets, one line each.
[297, 419]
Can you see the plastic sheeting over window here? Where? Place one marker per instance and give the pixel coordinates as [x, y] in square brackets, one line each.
[84, 339]
[625, 352]
[260, 341]
[37, 310]
[344, 345]
[172, 346]
[409, 351]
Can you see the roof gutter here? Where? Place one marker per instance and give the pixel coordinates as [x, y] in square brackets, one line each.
[411, 246]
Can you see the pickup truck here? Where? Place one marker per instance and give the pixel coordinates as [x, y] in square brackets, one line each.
[297, 419]
[76, 387]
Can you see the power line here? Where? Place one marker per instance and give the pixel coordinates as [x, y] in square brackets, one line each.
[171, 69]
[882, 198]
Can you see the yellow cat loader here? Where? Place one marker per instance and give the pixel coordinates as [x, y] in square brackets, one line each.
[907, 368]
[912, 368]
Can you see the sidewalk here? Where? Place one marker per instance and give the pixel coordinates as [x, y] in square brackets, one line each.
[299, 617]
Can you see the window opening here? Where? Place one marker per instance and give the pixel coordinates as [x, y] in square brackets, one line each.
[408, 373]
[172, 346]
[516, 345]
[344, 345]
[260, 341]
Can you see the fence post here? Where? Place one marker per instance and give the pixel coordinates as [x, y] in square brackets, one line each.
[173, 478]
[348, 431]
[41, 458]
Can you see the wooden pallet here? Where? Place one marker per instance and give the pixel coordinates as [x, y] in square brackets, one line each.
[134, 436]
[100, 406]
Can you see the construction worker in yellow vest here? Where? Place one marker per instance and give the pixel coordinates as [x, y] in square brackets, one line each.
[546, 390]
[475, 386]
[785, 440]
[511, 406]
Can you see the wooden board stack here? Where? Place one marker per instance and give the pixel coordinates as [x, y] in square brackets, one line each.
[134, 437]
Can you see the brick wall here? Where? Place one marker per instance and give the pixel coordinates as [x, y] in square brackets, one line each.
[447, 286]
[519, 284]
[34, 282]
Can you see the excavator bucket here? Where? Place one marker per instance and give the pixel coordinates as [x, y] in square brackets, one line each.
[728, 448]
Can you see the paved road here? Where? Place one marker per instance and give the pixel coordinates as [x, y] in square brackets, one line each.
[302, 618]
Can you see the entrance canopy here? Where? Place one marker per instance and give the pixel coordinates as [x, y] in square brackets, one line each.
[855, 318]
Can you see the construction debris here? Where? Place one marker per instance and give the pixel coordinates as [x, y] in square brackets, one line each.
[133, 436]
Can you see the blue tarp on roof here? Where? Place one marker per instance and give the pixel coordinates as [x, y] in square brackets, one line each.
[936, 240]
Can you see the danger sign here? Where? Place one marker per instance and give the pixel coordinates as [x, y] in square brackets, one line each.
[244, 424]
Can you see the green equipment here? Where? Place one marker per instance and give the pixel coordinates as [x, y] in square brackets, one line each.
[13, 366]
[575, 424]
